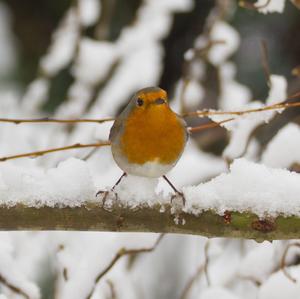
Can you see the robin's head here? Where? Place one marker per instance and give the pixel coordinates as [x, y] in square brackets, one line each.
[150, 97]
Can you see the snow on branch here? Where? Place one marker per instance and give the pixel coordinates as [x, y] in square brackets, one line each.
[250, 201]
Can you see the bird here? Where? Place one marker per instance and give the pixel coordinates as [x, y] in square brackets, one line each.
[148, 138]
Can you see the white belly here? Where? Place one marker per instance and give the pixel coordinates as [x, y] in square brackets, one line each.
[149, 169]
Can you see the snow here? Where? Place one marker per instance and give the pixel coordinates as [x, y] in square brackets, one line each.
[136, 190]
[248, 187]
[283, 150]
[36, 94]
[259, 263]
[278, 286]
[233, 95]
[273, 6]
[89, 11]
[94, 60]
[10, 272]
[242, 126]
[69, 184]
[226, 41]
[32, 259]
[63, 45]
[217, 292]
[194, 93]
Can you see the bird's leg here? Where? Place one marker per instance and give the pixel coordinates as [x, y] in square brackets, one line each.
[175, 190]
[112, 189]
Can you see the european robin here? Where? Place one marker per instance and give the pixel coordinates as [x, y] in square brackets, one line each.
[148, 138]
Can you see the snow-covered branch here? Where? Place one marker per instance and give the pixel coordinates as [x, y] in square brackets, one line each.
[250, 201]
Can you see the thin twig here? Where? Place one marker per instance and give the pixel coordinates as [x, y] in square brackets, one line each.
[113, 294]
[283, 105]
[209, 125]
[55, 120]
[120, 253]
[265, 61]
[250, 278]
[13, 288]
[191, 281]
[90, 154]
[283, 261]
[206, 262]
[52, 150]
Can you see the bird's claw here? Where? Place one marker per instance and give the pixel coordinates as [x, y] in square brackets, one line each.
[176, 195]
[106, 193]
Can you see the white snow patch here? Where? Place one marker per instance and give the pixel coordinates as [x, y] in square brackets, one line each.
[248, 187]
[36, 94]
[283, 150]
[217, 292]
[63, 44]
[233, 95]
[243, 125]
[70, 184]
[89, 11]
[134, 191]
[278, 286]
[94, 60]
[194, 93]
[10, 271]
[272, 6]
[259, 262]
[226, 40]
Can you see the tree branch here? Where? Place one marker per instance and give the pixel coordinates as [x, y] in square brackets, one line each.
[93, 217]
[53, 150]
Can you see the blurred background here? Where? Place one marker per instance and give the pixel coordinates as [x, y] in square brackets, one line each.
[86, 58]
[27, 30]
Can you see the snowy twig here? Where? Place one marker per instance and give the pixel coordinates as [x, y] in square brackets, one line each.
[13, 288]
[283, 261]
[52, 150]
[92, 216]
[204, 113]
[120, 253]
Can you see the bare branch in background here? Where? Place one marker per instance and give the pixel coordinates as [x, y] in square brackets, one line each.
[113, 294]
[191, 282]
[283, 105]
[206, 248]
[52, 150]
[209, 125]
[265, 61]
[123, 252]
[13, 288]
[283, 261]
[53, 120]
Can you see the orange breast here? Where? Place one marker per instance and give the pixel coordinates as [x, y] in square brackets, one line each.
[153, 135]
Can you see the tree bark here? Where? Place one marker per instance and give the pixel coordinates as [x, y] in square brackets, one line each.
[94, 217]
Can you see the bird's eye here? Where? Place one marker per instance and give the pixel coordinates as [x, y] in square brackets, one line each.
[139, 102]
[159, 101]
